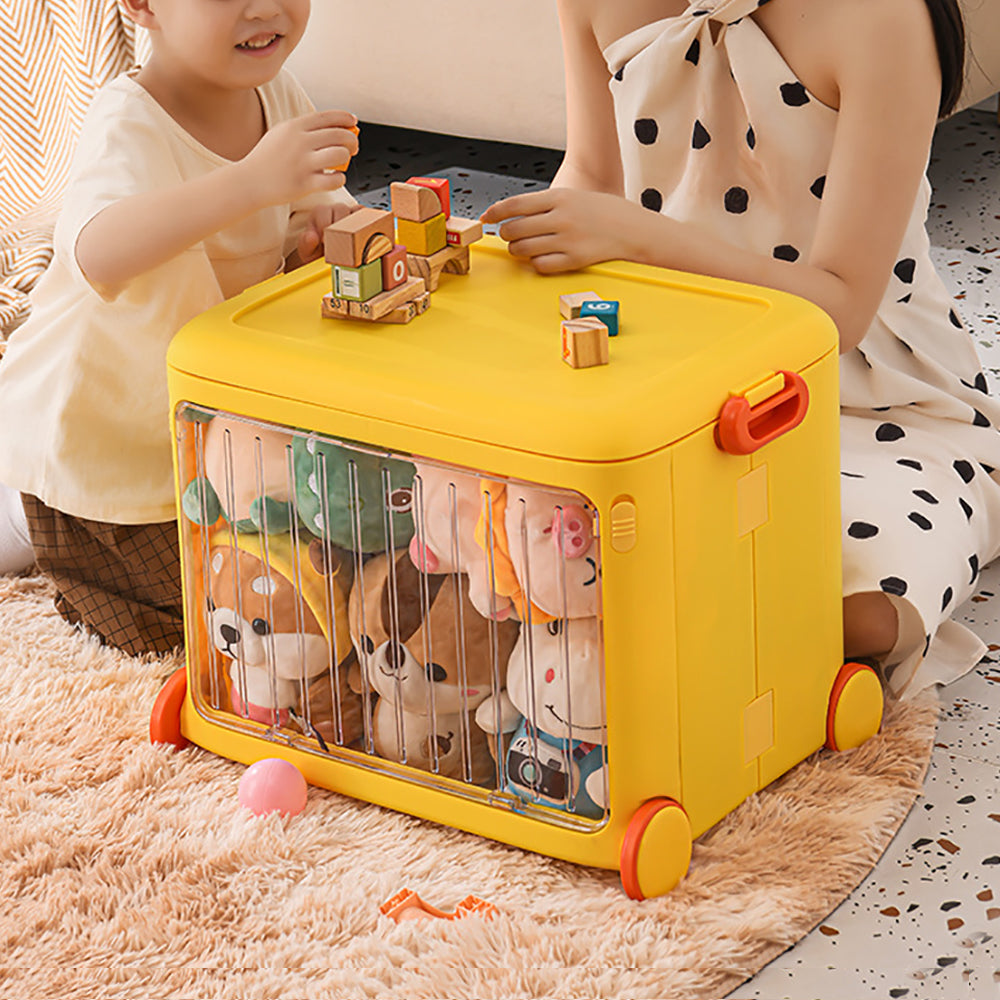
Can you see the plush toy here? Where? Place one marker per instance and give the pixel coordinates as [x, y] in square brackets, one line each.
[246, 476]
[253, 473]
[544, 552]
[429, 675]
[553, 706]
[448, 504]
[352, 498]
[268, 616]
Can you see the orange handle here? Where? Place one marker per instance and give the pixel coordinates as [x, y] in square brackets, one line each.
[743, 428]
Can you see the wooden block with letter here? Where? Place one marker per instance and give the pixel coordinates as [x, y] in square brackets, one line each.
[358, 283]
[584, 342]
[381, 305]
[345, 241]
[414, 202]
[604, 310]
[399, 305]
[461, 232]
[394, 269]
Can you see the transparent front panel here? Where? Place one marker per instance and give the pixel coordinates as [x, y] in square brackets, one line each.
[375, 607]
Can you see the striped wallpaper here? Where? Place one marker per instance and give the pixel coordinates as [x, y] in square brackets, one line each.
[55, 53]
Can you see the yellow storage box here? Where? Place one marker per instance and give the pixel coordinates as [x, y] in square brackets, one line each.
[582, 611]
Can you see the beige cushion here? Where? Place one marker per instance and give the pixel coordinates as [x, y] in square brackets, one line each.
[490, 70]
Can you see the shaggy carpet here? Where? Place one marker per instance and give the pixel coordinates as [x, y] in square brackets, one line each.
[130, 871]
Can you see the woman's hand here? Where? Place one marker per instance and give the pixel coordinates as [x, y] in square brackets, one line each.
[564, 229]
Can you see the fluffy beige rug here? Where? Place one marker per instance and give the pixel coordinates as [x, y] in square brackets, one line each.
[130, 871]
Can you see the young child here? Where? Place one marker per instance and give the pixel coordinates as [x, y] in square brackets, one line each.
[786, 145]
[200, 173]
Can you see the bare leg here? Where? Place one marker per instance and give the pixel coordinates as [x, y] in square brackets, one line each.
[871, 625]
[15, 545]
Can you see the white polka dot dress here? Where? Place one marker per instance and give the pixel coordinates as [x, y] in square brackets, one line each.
[721, 133]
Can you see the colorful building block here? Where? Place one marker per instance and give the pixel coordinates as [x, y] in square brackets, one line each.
[394, 269]
[415, 202]
[386, 301]
[584, 342]
[357, 283]
[440, 186]
[341, 167]
[461, 232]
[605, 310]
[344, 241]
[423, 238]
[569, 305]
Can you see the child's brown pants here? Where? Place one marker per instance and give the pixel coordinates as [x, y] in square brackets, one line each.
[122, 581]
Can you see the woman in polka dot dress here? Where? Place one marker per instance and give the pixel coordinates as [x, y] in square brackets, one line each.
[786, 145]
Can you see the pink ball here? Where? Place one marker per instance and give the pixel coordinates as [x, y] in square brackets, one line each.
[273, 785]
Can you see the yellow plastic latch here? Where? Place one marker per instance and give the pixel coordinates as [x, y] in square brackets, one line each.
[758, 726]
[761, 388]
[623, 525]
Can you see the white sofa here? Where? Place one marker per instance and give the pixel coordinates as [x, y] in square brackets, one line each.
[489, 70]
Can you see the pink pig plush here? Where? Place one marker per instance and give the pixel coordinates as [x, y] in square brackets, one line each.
[447, 505]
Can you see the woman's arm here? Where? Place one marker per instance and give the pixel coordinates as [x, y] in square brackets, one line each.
[885, 66]
[592, 161]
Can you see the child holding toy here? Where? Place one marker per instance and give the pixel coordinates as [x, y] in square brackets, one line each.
[786, 145]
[198, 174]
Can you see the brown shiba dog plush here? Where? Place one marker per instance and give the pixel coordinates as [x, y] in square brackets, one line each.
[269, 614]
[428, 655]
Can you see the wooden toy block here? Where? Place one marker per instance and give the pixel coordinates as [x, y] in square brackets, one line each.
[404, 313]
[605, 310]
[415, 202]
[344, 241]
[458, 263]
[430, 267]
[385, 302]
[357, 283]
[336, 308]
[423, 238]
[569, 305]
[440, 186]
[584, 342]
[378, 246]
[341, 167]
[394, 268]
[461, 232]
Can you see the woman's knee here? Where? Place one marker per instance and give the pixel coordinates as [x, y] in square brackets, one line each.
[871, 625]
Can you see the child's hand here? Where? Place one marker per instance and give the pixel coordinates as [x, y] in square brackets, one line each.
[310, 245]
[299, 157]
[563, 229]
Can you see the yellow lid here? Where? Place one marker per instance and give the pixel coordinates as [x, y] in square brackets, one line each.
[484, 362]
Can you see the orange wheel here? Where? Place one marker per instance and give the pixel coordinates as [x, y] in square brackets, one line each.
[855, 710]
[165, 720]
[656, 849]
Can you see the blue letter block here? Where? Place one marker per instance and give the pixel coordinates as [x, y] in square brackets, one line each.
[604, 310]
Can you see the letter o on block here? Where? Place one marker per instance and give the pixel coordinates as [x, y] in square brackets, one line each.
[394, 269]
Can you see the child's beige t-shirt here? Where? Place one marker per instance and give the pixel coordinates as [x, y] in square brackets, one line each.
[84, 414]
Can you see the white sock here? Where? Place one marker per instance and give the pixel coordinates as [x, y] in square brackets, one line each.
[16, 552]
